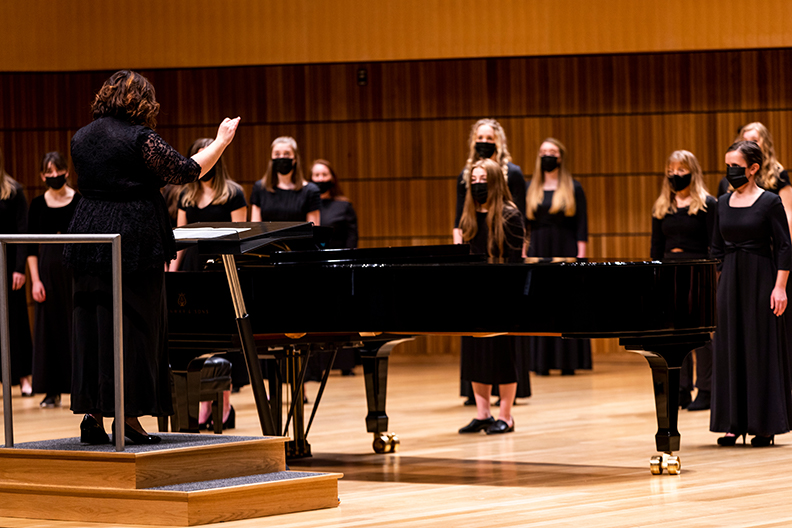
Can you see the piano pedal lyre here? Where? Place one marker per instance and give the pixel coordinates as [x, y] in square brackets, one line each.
[386, 443]
[668, 462]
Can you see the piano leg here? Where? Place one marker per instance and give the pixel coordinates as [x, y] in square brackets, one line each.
[375, 370]
[296, 364]
[665, 356]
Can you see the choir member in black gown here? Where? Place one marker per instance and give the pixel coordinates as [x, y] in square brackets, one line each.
[215, 197]
[492, 225]
[51, 282]
[121, 164]
[282, 194]
[558, 227]
[487, 140]
[13, 221]
[751, 389]
[336, 210]
[683, 219]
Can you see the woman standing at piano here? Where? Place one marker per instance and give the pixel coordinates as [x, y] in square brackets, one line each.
[492, 225]
[121, 164]
[283, 194]
[336, 210]
[683, 220]
[558, 227]
[487, 140]
[751, 387]
[51, 282]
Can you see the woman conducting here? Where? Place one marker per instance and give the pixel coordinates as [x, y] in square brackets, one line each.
[492, 225]
[121, 164]
[751, 389]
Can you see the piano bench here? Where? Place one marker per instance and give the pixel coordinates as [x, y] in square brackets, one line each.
[204, 380]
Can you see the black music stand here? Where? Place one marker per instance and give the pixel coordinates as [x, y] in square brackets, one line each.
[228, 239]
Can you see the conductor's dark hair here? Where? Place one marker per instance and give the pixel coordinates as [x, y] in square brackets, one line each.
[751, 152]
[57, 160]
[129, 96]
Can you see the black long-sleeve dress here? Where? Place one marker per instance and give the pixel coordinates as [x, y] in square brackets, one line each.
[751, 387]
[693, 235]
[13, 221]
[52, 342]
[557, 235]
[341, 216]
[191, 259]
[121, 168]
[493, 360]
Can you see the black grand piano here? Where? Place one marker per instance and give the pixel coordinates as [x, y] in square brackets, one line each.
[385, 295]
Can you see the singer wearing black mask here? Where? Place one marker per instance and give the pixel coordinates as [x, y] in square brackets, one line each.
[751, 387]
[283, 194]
[558, 227]
[51, 282]
[487, 140]
[492, 225]
[683, 220]
[336, 210]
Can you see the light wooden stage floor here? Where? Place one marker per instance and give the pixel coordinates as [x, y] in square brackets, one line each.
[579, 457]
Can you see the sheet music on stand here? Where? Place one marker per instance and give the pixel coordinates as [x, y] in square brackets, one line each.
[202, 233]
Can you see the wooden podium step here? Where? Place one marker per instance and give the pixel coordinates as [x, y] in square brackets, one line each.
[185, 480]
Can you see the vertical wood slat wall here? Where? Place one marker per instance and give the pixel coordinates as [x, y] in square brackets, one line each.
[399, 142]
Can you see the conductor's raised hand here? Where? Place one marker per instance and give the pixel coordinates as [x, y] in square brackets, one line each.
[227, 129]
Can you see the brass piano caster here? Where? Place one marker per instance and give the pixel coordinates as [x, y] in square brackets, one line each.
[386, 443]
[668, 462]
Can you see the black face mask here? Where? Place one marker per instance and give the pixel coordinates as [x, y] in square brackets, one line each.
[282, 165]
[209, 175]
[679, 181]
[549, 163]
[485, 149]
[736, 176]
[55, 182]
[325, 186]
[479, 192]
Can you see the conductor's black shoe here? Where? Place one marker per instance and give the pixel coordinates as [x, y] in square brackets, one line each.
[477, 425]
[684, 398]
[136, 437]
[92, 432]
[701, 403]
[500, 427]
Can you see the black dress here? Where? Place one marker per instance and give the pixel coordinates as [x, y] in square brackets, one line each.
[121, 168]
[557, 235]
[13, 221]
[751, 388]
[283, 205]
[340, 215]
[692, 234]
[52, 343]
[492, 360]
[191, 259]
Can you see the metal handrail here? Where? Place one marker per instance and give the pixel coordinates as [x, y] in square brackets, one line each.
[118, 343]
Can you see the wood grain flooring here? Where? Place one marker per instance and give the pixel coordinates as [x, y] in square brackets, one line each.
[579, 457]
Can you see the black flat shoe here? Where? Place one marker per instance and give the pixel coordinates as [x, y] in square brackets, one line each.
[92, 432]
[729, 441]
[477, 425]
[52, 400]
[762, 441]
[701, 403]
[469, 402]
[567, 372]
[500, 427]
[229, 423]
[684, 398]
[136, 437]
[27, 394]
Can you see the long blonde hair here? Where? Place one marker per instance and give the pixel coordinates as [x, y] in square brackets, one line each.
[297, 176]
[8, 185]
[501, 149]
[499, 203]
[666, 203]
[564, 195]
[222, 185]
[768, 177]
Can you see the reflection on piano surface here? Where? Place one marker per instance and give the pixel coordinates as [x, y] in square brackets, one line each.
[381, 295]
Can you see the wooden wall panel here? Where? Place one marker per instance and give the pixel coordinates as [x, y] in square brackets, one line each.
[399, 142]
[96, 35]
